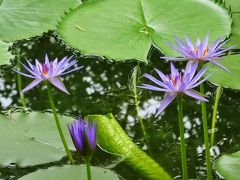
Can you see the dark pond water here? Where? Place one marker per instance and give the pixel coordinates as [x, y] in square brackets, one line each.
[103, 87]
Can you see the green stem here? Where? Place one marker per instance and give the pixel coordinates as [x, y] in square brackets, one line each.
[214, 117]
[134, 82]
[205, 132]
[59, 125]
[181, 129]
[19, 83]
[88, 170]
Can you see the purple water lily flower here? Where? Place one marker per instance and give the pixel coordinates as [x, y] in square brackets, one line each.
[48, 71]
[177, 83]
[201, 52]
[84, 137]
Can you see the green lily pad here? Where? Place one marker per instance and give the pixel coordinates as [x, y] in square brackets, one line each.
[123, 30]
[71, 173]
[112, 138]
[221, 77]
[235, 35]
[5, 55]
[229, 165]
[31, 139]
[234, 5]
[27, 18]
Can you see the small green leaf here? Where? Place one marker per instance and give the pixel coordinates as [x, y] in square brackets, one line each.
[229, 165]
[221, 77]
[5, 55]
[31, 139]
[71, 173]
[112, 138]
[27, 18]
[123, 30]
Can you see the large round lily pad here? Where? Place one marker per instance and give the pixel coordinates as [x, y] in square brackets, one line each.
[71, 173]
[229, 165]
[123, 29]
[31, 139]
[26, 18]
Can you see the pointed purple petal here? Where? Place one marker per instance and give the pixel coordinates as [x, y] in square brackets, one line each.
[200, 82]
[214, 45]
[222, 52]
[174, 71]
[161, 75]
[63, 62]
[198, 42]
[77, 133]
[197, 77]
[218, 64]
[179, 50]
[168, 98]
[189, 43]
[91, 134]
[27, 75]
[75, 69]
[32, 85]
[58, 83]
[180, 43]
[156, 81]
[190, 69]
[205, 42]
[30, 65]
[152, 88]
[46, 59]
[195, 95]
[174, 58]
[29, 70]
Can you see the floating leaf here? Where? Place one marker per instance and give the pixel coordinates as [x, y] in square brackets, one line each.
[5, 55]
[123, 29]
[220, 77]
[234, 5]
[27, 18]
[31, 139]
[235, 35]
[71, 173]
[112, 138]
[228, 166]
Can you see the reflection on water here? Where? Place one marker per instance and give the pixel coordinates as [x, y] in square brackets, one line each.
[103, 87]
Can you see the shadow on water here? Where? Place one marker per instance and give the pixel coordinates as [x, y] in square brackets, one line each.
[102, 87]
